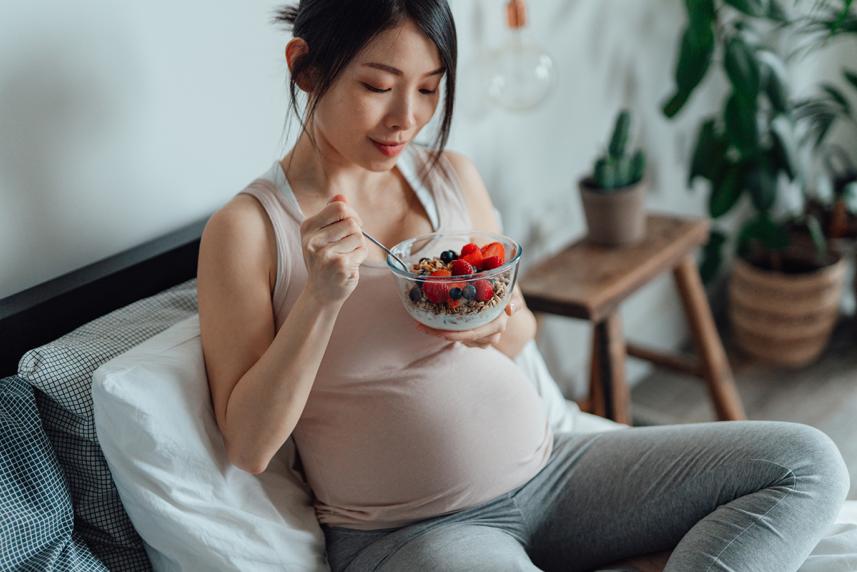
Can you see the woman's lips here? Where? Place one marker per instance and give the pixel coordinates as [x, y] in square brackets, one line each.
[389, 149]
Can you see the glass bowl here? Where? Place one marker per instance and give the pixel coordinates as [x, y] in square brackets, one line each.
[456, 301]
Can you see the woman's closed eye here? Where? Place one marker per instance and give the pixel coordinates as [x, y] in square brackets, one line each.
[375, 89]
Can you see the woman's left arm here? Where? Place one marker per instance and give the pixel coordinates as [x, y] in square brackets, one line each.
[516, 326]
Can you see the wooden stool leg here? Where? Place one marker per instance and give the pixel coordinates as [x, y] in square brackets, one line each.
[715, 365]
[596, 390]
[611, 359]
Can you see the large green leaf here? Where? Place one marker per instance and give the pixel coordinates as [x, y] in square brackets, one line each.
[785, 142]
[750, 7]
[746, 235]
[742, 68]
[820, 114]
[741, 127]
[850, 77]
[821, 127]
[761, 181]
[708, 155]
[776, 12]
[724, 196]
[700, 13]
[775, 236]
[712, 256]
[675, 103]
[775, 80]
[837, 96]
[819, 240]
[764, 231]
[697, 48]
[843, 15]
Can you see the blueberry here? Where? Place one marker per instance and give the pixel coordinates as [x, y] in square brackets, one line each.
[424, 259]
[448, 256]
[416, 294]
[469, 292]
[455, 293]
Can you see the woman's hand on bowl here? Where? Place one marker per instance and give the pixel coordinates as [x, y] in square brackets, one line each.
[483, 336]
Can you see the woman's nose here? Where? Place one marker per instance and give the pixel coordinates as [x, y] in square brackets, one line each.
[401, 116]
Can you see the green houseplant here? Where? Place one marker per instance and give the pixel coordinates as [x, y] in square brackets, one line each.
[782, 306]
[613, 196]
[829, 109]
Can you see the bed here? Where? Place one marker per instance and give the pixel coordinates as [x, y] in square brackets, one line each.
[74, 494]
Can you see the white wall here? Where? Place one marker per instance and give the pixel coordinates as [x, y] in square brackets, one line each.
[122, 121]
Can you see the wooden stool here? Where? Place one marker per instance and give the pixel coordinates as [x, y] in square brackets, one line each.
[590, 282]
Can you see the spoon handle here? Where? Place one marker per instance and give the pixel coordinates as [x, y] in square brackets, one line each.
[384, 248]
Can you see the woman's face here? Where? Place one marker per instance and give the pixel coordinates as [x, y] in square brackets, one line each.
[382, 99]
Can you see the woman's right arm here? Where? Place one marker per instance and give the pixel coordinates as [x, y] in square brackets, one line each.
[260, 380]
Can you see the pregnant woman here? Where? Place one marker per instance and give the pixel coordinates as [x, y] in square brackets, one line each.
[425, 449]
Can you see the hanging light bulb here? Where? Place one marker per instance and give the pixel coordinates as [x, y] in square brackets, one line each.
[521, 72]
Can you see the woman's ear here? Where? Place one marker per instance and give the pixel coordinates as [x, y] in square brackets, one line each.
[296, 49]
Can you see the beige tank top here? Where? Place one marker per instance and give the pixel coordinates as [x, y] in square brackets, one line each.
[400, 425]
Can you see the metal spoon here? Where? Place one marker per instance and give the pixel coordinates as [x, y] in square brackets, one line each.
[385, 249]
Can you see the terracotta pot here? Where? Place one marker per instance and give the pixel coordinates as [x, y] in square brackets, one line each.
[784, 319]
[616, 217]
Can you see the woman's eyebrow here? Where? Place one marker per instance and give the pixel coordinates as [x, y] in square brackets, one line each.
[397, 71]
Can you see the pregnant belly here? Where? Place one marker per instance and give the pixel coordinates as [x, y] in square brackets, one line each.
[454, 430]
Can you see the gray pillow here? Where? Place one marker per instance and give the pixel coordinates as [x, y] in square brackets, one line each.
[36, 528]
[61, 371]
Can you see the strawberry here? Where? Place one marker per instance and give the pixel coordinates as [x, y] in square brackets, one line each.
[460, 267]
[490, 262]
[437, 291]
[484, 291]
[494, 249]
[454, 303]
[474, 258]
[468, 248]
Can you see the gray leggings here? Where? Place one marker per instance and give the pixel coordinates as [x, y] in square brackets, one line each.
[729, 496]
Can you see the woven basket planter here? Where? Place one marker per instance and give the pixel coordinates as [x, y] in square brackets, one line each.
[784, 319]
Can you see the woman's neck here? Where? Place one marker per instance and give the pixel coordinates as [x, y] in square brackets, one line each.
[322, 172]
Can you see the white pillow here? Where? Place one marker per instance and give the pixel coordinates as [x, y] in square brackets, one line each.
[194, 510]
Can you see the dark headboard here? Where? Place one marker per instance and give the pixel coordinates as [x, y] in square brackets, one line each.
[46, 311]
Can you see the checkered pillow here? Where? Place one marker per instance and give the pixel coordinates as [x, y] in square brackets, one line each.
[61, 371]
[36, 516]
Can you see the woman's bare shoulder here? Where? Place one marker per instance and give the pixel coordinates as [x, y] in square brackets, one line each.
[475, 193]
[242, 230]
[465, 170]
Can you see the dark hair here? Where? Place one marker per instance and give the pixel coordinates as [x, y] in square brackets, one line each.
[336, 31]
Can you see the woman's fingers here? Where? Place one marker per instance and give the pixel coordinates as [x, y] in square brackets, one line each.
[483, 336]
[511, 308]
[347, 244]
[483, 343]
[331, 214]
[336, 232]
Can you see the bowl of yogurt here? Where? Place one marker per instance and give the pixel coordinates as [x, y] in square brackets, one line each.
[456, 281]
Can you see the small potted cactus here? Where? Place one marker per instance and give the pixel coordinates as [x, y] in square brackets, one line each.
[614, 195]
